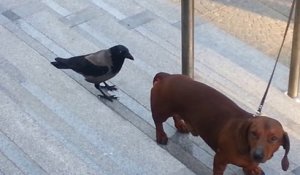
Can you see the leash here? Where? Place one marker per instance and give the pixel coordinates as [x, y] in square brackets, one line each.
[258, 112]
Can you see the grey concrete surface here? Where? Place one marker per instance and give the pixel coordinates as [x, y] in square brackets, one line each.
[53, 123]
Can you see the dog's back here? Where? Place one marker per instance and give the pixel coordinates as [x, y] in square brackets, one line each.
[189, 92]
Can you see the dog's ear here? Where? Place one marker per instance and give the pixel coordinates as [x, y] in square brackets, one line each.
[286, 145]
[243, 145]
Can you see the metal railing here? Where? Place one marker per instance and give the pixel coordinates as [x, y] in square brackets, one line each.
[187, 43]
[187, 37]
[294, 77]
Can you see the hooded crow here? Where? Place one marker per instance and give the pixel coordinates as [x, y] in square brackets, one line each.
[97, 67]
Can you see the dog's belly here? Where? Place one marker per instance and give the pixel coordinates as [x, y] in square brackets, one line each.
[207, 130]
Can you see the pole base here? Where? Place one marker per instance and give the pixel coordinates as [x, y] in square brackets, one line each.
[296, 99]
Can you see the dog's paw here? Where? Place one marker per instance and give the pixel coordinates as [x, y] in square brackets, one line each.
[161, 138]
[254, 171]
[181, 127]
[180, 124]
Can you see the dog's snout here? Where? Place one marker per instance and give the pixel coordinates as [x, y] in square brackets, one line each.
[258, 155]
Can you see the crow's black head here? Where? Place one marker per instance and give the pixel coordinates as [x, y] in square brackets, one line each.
[120, 52]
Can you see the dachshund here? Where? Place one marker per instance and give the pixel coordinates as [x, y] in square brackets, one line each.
[236, 136]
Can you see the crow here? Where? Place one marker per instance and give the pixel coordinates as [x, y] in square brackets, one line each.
[97, 67]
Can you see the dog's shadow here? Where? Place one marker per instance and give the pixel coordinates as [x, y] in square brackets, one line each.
[184, 140]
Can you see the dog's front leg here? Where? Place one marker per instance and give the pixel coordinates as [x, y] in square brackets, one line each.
[253, 171]
[219, 165]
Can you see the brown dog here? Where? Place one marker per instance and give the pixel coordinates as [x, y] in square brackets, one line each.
[235, 135]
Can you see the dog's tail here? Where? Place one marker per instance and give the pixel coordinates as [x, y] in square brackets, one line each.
[159, 76]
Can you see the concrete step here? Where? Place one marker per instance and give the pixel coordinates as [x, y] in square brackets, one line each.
[8, 167]
[72, 133]
[81, 128]
[241, 66]
[56, 121]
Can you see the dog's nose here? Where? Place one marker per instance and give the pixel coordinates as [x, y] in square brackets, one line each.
[258, 155]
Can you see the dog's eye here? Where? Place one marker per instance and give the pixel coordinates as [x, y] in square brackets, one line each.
[274, 139]
[253, 134]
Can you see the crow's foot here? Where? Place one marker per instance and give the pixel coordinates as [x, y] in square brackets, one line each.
[109, 88]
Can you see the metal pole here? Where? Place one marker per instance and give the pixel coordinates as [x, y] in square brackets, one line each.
[294, 77]
[187, 37]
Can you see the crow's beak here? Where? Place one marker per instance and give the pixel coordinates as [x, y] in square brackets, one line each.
[129, 56]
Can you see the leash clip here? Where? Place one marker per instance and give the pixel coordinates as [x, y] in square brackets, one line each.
[258, 112]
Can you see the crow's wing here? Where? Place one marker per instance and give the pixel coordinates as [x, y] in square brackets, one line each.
[83, 66]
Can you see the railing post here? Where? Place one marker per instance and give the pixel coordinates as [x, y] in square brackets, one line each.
[293, 88]
[187, 37]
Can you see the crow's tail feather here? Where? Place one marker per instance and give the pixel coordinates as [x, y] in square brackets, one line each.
[60, 63]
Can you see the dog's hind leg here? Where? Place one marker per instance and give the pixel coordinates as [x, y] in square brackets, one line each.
[180, 124]
[161, 136]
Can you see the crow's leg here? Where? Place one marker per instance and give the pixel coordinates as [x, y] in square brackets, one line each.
[108, 87]
[110, 98]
